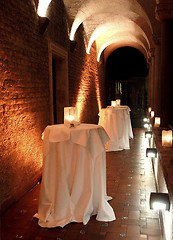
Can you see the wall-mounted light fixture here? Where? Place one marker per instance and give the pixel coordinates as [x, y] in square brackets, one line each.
[43, 23]
[148, 134]
[151, 152]
[159, 201]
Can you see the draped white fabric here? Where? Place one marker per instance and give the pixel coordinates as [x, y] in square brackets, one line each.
[73, 184]
[117, 123]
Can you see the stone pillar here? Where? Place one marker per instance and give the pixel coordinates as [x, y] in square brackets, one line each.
[151, 79]
[157, 77]
[149, 82]
[164, 13]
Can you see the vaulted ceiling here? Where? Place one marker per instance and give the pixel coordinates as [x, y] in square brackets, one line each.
[113, 24]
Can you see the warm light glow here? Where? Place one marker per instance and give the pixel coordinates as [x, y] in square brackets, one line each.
[42, 136]
[70, 118]
[159, 206]
[70, 115]
[167, 138]
[157, 122]
[146, 120]
[84, 88]
[120, 38]
[159, 201]
[149, 109]
[73, 31]
[152, 114]
[100, 52]
[118, 102]
[26, 144]
[98, 93]
[42, 7]
[167, 216]
[148, 134]
[107, 26]
[81, 98]
[146, 125]
[113, 103]
[151, 154]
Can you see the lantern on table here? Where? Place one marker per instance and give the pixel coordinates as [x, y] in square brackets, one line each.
[118, 102]
[71, 116]
[167, 138]
[113, 103]
[152, 114]
[149, 109]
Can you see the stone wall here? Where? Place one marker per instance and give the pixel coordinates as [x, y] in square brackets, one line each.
[24, 89]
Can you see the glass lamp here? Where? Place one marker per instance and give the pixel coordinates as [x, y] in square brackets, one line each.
[157, 122]
[167, 138]
[70, 116]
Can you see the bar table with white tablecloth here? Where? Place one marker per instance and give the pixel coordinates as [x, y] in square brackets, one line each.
[117, 123]
[73, 186]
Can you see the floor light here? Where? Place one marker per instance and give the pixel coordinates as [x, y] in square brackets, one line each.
[151, 152]
[159, 201]
[148, 134]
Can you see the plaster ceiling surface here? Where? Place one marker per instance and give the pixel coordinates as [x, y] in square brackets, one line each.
[114, 23]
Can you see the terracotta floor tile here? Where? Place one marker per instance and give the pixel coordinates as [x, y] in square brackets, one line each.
[129, 181]
[133, 230]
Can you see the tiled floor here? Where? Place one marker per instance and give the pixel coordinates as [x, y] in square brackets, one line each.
[129, 181]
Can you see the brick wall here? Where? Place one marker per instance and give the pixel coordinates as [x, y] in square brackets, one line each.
[24, 89]
[86, 80]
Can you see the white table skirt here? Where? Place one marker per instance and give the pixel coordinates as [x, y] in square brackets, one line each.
[73, 184]
[116, 121]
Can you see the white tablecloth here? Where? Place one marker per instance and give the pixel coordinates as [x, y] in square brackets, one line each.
[116, 121]
[73, 184]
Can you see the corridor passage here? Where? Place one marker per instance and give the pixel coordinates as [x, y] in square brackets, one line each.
[129, 181]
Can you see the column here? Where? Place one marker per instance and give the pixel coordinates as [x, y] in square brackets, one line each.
[151, 79]
[164, 13]
[157, 77]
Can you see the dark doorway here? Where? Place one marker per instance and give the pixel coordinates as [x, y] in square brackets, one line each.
[127, 79]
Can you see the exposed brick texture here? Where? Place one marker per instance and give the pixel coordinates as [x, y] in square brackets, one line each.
[24, 89]
[85, 78]
[24, 101]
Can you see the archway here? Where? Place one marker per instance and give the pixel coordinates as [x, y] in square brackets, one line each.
[127, 79]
